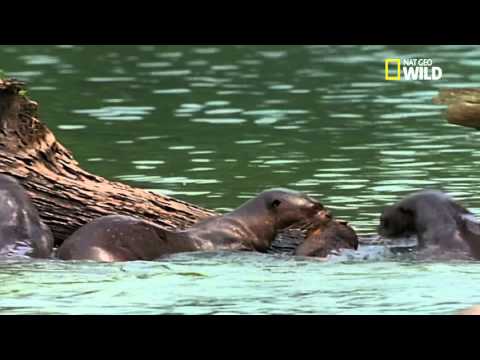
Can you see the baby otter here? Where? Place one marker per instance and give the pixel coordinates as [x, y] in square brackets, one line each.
[327, 235]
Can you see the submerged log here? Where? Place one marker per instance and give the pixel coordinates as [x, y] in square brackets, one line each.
[463, 106]
[67, 196]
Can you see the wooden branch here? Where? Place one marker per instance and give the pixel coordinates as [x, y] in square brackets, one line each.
[463, 106]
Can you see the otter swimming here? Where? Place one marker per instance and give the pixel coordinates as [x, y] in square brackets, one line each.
[253, 226]
[22, 232]
[436, 219]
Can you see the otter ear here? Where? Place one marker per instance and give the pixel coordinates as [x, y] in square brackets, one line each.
[275, 203]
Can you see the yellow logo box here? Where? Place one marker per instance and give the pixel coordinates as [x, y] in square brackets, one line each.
[387, 63]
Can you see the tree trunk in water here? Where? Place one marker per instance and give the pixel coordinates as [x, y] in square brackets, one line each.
[65, 195]
[463, 106]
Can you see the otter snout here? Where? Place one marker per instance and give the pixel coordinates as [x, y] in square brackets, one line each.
[325, 213]
[316, 206]
[322, 217]
[311, 209]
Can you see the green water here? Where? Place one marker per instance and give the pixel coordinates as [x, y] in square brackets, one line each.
[215, 125]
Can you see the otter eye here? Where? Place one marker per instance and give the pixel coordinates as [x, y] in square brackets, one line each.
[276, 203]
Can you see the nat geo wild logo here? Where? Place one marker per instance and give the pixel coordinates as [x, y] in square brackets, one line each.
[412, 69]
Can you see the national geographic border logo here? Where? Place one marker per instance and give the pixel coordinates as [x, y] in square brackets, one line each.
[412, 69]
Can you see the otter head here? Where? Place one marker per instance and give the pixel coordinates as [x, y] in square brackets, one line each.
[7, 180]
[336, 234]
[288, 207]
[397, 221]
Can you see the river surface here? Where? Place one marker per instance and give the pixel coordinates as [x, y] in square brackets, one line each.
[214, 125]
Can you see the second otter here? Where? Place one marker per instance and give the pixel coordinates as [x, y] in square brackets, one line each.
[327, 235]
[253, 226]
[443, 226]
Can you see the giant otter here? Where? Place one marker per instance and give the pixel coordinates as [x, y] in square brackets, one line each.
[327, 235]
[434, 217]
[22, 232]
[252, 226]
